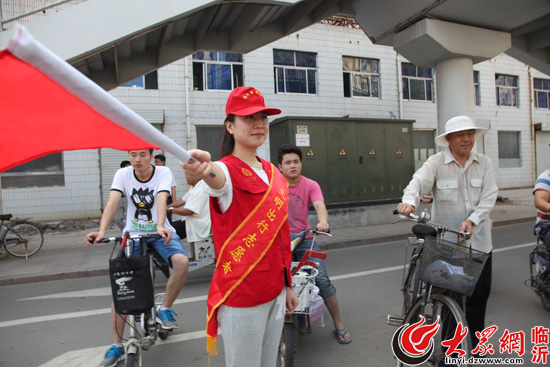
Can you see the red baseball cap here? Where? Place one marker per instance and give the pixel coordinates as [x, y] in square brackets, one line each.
[244, 101]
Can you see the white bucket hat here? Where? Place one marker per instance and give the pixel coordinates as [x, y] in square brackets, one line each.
[456, 124]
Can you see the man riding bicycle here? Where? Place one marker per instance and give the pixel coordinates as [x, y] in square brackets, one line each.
[302, 191]
[146, 189]
[464, 193]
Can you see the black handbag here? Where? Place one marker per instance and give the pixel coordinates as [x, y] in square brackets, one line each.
[131, 284]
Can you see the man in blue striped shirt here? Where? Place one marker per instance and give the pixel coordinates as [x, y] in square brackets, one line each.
[542, 199]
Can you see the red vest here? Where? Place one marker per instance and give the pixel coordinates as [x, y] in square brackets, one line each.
[252, 241]
[266, 280]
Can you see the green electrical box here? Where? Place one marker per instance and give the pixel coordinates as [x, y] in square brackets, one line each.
[353, 160]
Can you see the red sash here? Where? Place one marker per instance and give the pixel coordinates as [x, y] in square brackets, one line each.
[246, 246]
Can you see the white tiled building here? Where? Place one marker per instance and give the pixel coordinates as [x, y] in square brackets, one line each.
[85, 176]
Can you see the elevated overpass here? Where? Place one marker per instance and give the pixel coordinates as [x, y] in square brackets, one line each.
[114, 41]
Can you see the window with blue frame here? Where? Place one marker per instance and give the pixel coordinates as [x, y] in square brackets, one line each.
[477, 92]
[295, 72]
[361, 77]
[417, 82]
[214, 70]
[507, 90]
[542, 92]
[147, 81]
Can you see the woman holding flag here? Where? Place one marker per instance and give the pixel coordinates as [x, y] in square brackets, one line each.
[248, 207]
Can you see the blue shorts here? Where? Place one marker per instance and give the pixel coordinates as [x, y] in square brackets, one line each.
[165, 250]
[326, 289]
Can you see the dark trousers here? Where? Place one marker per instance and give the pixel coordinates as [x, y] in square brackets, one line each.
[476, 305]
[179, 226]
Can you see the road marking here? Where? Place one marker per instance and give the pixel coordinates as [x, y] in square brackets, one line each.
[514, 247]
[90, 357]
[368, 272]
[400, 267]
[96, 292]
[71, 315]
[101, 311]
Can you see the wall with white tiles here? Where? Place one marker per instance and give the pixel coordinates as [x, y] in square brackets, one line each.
[80, 197]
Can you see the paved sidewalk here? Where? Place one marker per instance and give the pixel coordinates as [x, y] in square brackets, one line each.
[65, 255]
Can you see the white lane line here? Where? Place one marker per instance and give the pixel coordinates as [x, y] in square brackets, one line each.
[96, 292]
[368, 272]
[514, 247]
[400, 267]
[203, 298]
[91, 357]
[71, 315]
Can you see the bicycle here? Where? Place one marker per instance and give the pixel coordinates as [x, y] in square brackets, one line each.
[437, 273]
[303, 274]
[21, 238]
[144, 330]
[539, 267]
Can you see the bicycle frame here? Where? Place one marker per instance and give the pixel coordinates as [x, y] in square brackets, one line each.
[289, 335]
[422, 300]
[146, 320]
[412, 285]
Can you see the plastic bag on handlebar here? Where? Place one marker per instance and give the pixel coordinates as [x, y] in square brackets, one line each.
[131, 284]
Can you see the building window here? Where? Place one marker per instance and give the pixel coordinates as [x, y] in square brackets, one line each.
[217, 70]
[147, 81]
[417, 82]
[508, 149]
[40, 172]
[295, 72]
[477, 95]
[507, 90]
[542, 92]
[361, 77]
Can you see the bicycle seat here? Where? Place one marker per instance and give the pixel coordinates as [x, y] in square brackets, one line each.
[5, 216]
[423, 231]
[296, 239]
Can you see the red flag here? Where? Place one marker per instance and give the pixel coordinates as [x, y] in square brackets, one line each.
[47, 106]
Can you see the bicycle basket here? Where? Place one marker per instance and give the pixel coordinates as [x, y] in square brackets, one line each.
[131, 284]
[303, 282]
[451, 266]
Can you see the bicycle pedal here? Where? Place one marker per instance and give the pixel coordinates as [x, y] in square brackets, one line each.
[395, 320]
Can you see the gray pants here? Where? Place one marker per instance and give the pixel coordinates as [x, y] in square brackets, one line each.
[251, 335]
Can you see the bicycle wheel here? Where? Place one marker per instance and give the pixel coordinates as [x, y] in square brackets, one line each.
[411, 285]
[545, 301]
[287, 346]
[133, 360]
[450, 314]
[23, 239]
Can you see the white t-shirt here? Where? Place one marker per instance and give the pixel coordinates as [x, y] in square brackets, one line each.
[198, 225]
[141, 214]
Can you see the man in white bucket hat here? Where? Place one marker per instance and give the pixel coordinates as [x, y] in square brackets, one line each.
[464, 192]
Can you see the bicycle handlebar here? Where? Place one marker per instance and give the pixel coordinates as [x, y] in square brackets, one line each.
[133, 237]
[424, 218]
[315, 232]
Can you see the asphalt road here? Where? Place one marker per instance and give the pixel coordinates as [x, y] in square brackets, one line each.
[66, 323]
